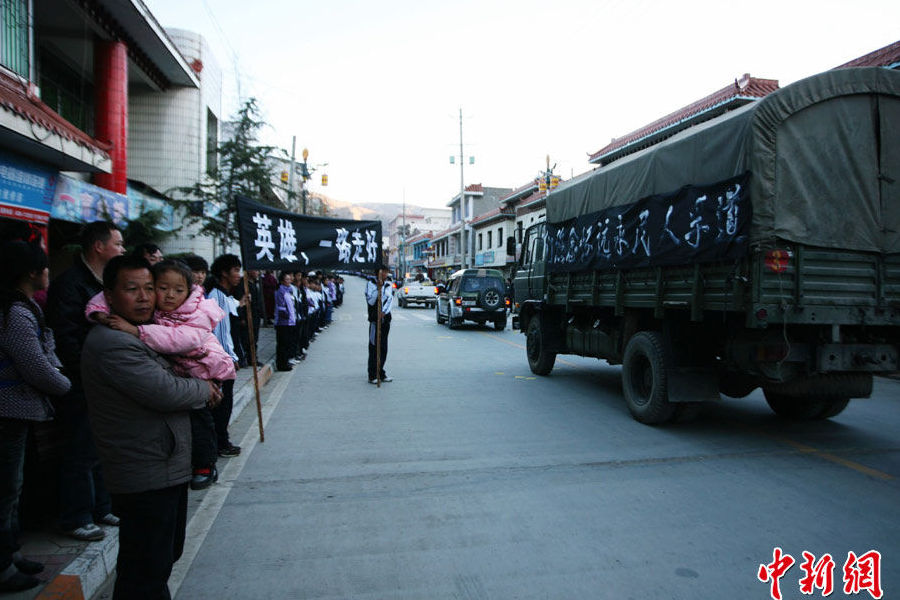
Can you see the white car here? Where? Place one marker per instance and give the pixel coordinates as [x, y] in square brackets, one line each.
[416, 291]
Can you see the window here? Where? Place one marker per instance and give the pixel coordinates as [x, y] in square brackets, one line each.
[490, 239]
[479, 241]
[212, 142]
[15, 29]
[499, 237]
[66, 91]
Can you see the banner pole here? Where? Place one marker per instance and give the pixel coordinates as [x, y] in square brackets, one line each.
[252, 336]
[378, 331]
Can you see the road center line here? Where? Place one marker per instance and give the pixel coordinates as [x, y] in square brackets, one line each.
[802, 447]
[829, 457]
[522, 347]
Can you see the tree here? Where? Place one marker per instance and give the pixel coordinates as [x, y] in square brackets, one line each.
[144, 229]
[242, 170]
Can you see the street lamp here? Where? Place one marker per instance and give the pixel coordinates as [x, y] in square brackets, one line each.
[462, 194]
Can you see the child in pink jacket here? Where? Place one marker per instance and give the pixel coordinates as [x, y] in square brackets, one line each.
[182, 330]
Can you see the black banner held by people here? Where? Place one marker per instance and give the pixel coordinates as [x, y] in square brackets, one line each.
[694, 224]
[278, 239]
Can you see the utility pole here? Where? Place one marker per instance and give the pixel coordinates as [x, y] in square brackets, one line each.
[305, 175]
[291, 171]
[403, 242]
[462, 196]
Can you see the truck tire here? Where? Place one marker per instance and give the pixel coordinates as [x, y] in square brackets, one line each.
[539, 359]
[437, 316]
[500, 324]
[644, 378]
[453, 323]
[804, 408]
[490, 298]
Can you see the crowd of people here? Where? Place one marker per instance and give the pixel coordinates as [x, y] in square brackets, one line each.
[302, 306]
[72, 350]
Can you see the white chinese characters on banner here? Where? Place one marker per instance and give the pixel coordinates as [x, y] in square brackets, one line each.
[343, 247]
[288, 240]
[263, 236]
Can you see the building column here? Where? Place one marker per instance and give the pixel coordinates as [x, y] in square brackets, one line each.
[111, 110]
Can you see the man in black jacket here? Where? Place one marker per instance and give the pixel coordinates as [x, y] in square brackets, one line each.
[83, 498]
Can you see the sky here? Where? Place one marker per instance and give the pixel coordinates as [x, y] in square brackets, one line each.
[375, 89]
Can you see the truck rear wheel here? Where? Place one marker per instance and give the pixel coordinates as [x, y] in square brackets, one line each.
[644, 378]
[539, 359]
[804, 409]
[437, 316]
[500, 324]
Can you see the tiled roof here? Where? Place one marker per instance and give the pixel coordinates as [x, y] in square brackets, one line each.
[445, 233]
[420, 237]
[475, 187]
[520, 192]
[14, 97]
[889, 56]
[743, 90]
[492, 214]
[531, 200]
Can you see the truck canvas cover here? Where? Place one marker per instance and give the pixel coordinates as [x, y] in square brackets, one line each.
[823, 157]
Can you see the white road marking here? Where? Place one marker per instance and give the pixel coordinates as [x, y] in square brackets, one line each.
[202, 521]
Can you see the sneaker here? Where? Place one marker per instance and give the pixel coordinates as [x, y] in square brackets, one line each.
[230, 451]
[109, 519]
[86, 533]
[28, 567]
[203, 478]
[18, 582]
[387, 378]
[373, 381]
[293, 361]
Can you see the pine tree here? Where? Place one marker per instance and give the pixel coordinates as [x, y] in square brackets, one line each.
[242, 170]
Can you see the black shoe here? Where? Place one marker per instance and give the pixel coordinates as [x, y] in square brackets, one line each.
[287, 368]
[29, 567]
[230, 451]
[203, 478]
[18, 582]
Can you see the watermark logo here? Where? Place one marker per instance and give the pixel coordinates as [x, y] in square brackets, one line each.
[861, 573]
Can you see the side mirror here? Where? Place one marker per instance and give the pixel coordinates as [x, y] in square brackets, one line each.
[439, 289]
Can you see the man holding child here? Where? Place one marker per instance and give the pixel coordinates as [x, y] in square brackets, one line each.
[142, 432]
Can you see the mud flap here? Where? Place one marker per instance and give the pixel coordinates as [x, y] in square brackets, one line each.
[688, 384]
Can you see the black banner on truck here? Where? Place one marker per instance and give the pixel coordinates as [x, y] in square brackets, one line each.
[696, 224]
[278, 239]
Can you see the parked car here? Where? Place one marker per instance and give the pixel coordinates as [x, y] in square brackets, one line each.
[416, 291]
[477, 295]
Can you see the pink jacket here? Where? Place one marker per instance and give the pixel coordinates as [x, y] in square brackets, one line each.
[185, 334]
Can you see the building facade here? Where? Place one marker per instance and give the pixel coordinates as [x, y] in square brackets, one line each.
[68, 72]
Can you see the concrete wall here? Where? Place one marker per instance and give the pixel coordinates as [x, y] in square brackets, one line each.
[168, 135]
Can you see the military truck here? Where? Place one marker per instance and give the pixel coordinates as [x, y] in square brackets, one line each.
[758, 249]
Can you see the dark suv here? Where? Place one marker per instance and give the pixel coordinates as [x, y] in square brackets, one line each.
[477, 295]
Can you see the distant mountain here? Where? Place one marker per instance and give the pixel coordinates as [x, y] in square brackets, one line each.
[366, 211]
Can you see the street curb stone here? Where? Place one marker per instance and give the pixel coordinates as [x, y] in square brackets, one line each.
[82, 578]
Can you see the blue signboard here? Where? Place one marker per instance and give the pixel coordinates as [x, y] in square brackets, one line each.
[26, 189]
[82, 202]
[140, 202]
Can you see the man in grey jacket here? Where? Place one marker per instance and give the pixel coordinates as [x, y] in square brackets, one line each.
[139, 418]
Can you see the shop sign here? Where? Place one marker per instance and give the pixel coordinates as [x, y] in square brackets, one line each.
[26, 189]
[140, 203]
[81, 202]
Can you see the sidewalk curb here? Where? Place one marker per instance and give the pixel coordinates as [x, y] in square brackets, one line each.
[81, 579]
[93, 566]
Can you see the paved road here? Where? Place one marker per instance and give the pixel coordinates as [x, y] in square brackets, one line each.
[469, 478]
